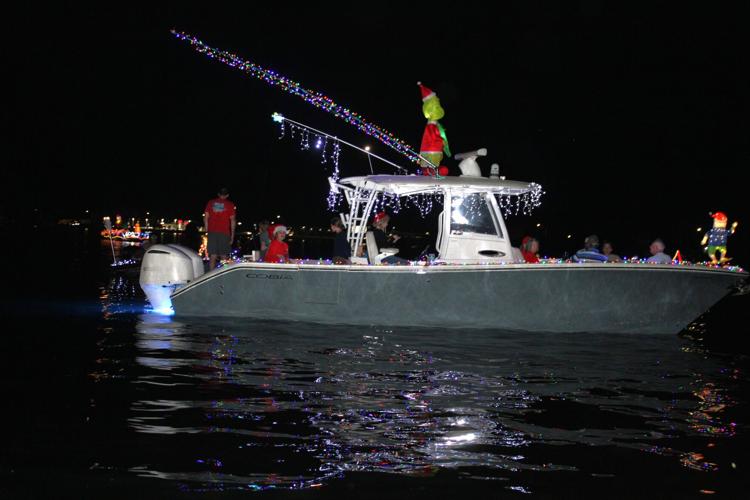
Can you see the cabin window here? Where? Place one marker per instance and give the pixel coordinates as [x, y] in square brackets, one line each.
[470, 214]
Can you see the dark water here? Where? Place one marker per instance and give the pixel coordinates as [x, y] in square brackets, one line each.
[102, 399]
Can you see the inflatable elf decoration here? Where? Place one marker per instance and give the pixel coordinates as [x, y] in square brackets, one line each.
[434, 141]
[716, 237]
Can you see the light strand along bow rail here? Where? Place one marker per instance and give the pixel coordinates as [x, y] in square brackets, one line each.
[310, 96]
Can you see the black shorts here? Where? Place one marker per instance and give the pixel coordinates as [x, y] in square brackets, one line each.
[218, 244]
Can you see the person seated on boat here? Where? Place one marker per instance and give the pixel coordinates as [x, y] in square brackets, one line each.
[342, 251]
[278, 251]
[530, 249]
[590, 251]
[264, 238]
[384, 240]
[657, 253]
[608, 250]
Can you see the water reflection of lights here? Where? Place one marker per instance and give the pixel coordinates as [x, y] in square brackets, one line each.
[697, 461]
[458, 439]
[158, 335]
[118, 296]
[374, 405]
[707, 418]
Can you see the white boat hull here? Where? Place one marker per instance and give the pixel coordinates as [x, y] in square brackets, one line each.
[596, 298]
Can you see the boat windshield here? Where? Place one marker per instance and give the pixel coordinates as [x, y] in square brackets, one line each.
[470, 214]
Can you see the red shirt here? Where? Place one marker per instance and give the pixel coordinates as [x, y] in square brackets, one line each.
[530, 258]
[432, 141]
[219, 213]
[276, 251]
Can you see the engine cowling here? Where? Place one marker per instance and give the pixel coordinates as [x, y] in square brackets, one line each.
[164, 268]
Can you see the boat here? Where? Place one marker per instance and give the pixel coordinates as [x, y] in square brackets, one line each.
[476, 280]
[125, 235]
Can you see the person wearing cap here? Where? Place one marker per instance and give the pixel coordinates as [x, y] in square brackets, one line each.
[590, 251]
[716, 237]
[380, 225]
[219, 220]
[383, 240]
[657, 253]
[278, 251]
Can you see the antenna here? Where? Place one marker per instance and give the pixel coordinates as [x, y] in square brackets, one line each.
[108, 226]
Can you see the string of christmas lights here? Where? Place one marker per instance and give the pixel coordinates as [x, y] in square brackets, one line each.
[509, 203]
[523, 203]
[310, 96]
[334, 196]
[320, 142]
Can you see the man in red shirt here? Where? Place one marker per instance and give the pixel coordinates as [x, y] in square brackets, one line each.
[219, 219]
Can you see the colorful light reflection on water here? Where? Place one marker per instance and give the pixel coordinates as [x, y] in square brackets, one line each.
[239, 405]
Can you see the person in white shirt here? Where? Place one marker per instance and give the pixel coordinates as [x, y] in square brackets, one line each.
[657, 253]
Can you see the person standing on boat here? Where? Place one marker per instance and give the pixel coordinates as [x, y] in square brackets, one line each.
[342, 251]
[278, 251]
[220, 220]
[657, 253]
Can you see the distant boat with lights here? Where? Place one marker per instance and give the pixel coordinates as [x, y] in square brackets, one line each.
[125, 235]
[477, 281]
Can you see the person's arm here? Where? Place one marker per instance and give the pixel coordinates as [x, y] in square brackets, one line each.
[233, 222]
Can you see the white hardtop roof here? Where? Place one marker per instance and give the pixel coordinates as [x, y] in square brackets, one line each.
[403, 185]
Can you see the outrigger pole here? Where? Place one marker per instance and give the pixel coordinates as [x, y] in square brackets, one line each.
[108, 226]
[278, 118]
[310, 96]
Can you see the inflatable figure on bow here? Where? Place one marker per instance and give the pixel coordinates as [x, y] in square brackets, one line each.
[716, 237]
[434, 141]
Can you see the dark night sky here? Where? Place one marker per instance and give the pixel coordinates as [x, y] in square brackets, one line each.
[634, 119]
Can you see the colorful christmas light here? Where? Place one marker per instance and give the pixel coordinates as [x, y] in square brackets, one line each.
[310, 96]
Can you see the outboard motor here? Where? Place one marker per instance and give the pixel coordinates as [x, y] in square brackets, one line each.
[163, 269]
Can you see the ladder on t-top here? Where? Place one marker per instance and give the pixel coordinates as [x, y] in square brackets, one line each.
[360, 203]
